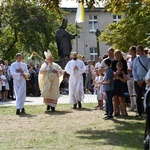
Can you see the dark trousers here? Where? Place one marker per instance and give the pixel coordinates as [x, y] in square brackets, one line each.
[147, 102]
[139, 94]
[109, 104]
[84, 78]
[11, 89]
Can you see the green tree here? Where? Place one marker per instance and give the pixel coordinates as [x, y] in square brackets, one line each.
[133, 29]
[27, 27]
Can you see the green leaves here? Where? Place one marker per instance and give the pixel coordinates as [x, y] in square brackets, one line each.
[133, 29]
[27, 27]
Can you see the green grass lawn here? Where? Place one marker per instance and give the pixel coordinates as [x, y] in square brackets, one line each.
[68, 129]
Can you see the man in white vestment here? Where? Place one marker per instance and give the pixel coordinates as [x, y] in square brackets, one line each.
[50, 77]
[75, 68]
[19, 71]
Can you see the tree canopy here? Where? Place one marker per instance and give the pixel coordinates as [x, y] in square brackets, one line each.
[133, 29]
[28, 26]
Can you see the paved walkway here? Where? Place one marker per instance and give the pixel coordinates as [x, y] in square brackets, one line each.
[89, 98]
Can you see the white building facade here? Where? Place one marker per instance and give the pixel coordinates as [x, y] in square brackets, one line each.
[86, 44]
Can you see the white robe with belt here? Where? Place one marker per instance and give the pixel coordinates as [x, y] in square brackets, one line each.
[19, 83]
[49, 83]
[76, 92]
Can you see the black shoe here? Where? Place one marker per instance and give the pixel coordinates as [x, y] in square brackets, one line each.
[138, 116]
[48, 107]
[108, 117]
[18, 112]
[23, 111]
[53, 108]
[105, 117]
[79, 104]
[74, 106]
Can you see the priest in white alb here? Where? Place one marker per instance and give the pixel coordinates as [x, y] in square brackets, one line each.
[75, 68]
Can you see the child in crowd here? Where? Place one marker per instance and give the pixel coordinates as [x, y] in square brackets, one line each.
[6, 83]
[89, 77]
[108, 88]
[120, 80]
[100, 93]
[96, 81]
[3, 85]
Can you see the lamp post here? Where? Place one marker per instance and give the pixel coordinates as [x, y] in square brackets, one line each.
[98, 33]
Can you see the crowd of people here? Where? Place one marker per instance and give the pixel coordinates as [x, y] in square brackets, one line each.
[118, 79]
[112, 78]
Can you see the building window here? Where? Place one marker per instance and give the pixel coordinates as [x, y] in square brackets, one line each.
[116, 18]
[93, 54]
[93, 23]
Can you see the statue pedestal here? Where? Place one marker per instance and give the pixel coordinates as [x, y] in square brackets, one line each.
[63, 61]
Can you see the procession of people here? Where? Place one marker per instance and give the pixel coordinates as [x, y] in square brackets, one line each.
[127, 76]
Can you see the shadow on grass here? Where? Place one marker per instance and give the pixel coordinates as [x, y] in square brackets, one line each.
[27, 115]
[130, 117]
[127, 135]
[57, 112]
[83, 109]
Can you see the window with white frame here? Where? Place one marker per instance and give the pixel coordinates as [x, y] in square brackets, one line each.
[93, 53]
[116, 18]
[93, 23]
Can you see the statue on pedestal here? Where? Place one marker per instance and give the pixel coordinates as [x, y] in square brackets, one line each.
[63, 41]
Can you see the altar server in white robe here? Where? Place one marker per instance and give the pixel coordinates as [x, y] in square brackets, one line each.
[75, 68]
[19, 71]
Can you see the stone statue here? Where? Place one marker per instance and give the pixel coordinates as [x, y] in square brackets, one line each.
[63, 40]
